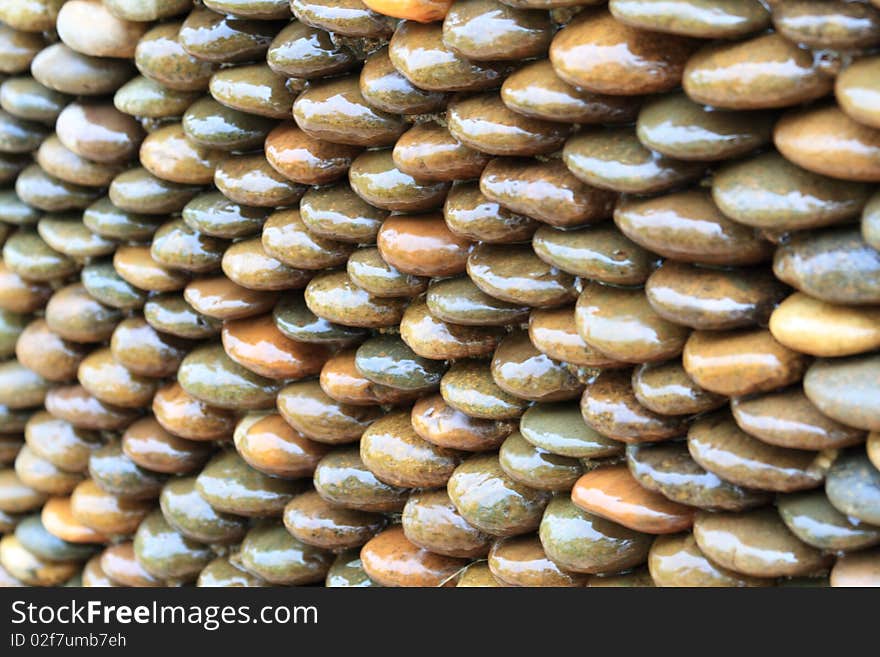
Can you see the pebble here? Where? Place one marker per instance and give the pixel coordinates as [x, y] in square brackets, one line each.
[442, 425]
[383, 87]
[537, 467]
[522, 561]
[431, 521]
[391, 559]
[210, 375]
[559, 428]
[309, 410]
[845, 389]
[314, 521]
[853, 486]
[230, 485]
[812, 518]
[521, 370]
[422, 245]
[677, 561]
[342, 479]
[471, 214]
[377, 180]
[469, 387]
[270, 552]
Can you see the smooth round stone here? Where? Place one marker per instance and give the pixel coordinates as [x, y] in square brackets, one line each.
[178, 246]
[859, 569]
[88, 27]
[347, 17]
[621, 324]
[599, 253]
[25, 566]
[147, 98]
[301, 51]
[582, 542]
[422, 245]
[677, 561]
[210, 375]
[147, 444]
[678, 127]
[479, 575]
[258, 345]
[214, 37]
[469, 387]
[484, 123]
[34, 538]
[59, 161]
[845, 390]
[720, 446]
[119, 564]
[16, 496]
[342, 479]
[190, 514]
[19, 295]
[334, 297]
[138, 190]
[223, 572]
[433, 338]
[375, 178]
[487, 498]
[559, 428]
[770, 192]
[117, 474]
[12, 209]
[213, 125]
[112, 383]
[74, 315]
[247, 264]
[341, 380]
[59, 442]
[756, 543]
[255, 89]
[347, 571]
[438, 423]
[369, 271]
[856, 90]
[335, 111]
[105, 514]
[835, 265]
[170, 313]
[160, 57]
[763, 72]
[42, 475]
[491, 31]
[602, 55]
[26, 98]
[741, 362]
[262, 9]
[93, 576]
[689, 227]
[220, 298]
[615, 494]
[669, 469]
[537, 467]
[459, 301]
[516, 275]
[296, 321]
[812, 518]
[431, 521]
[305, 159]
[165, 553]
[615, 159]
[214, 214]
[18, 48]
[74, 404]
[336, 212]
[667, 389]
[419, 53]
[62, 69]
[105, 219]
[391, 559]
[248, 179]
[67, 234]
[853, 486]
[389, 361]
[315, 521]
[46, 192]
[521, 370]
[383, 87]
[610, 407]
[19, 135]
[707, 19]
[835, 25]
[287, 238]
[269, 444]
[428, 151]
[20, 387]
[187, 417]
[230, 485]
[169, 154]
[11, 327]
[522, 561]
[99, 132]
[27, 254]
[309, 410]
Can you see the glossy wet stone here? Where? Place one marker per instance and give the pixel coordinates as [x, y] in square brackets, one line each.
[105, 219]
[638, 577]
[856, 91]
[334, 297]
[341, 478]
[213, 37]
[428, 151]
[586, 543]
[335, 111]
[388, 360]
[167, 554]
[853, 486]
[65, 70]
[812, 518]
[12, 209]
[170, 313]
[741, 362]
[34, 537]
[491, 501]
[438, 423]
[187, 417]
[522, 561]
[25, 566]
[272, 446]
[836, 25]
[248, 179]
[859, 569]
[46, 192]
[26, 98]
[377, 180]
[20, 295]
[418, 51]
[301, 51]
[610, 407]
[94, 576]
[305, 159]
[341, 380]
[369, 271]
[844, 389]
[137, 190]
[42, 475]
[712, 19]
[247, 264]
[488, 30]
[230, 485]
[59, 442]
[117, 474]
[169, 154]
[68, 235]
[160, 57]
[763, 72]
[211, 376]
[222, 572]
[111, 382]
[602, 55]
[771, 192]
[347, 571]
[255, 89]
[177, 245]
[516, 275]
[755, 543]
[87, 26]
[318, 416]
[559, 429]
[349, 17]
[287, 238]
[520, 369]
[144, 97]
[20, 387]
[211, 124]
[479, 575]
[720, 446]
[119, 564]
[16, 496]
[296, 321]
[383, 87]
[536, 467]
[74, 404]
[44, 352]
[336, 212]
[98, 132]
[150, 446]
[105, 514]
[214, 214]
[220, 298]
[433, 338]
[469, 387]
[391, 559]
[57, 160]
[314, 521]
[667, 389]
[459, 301]
[677, 561]
[74, 315]
[190, 514]
[19, 135]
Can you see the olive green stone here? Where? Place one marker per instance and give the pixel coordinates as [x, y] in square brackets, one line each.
[377, 180]
[170, 313]
[853, 486]
[20, 387]
[845, 389]
[677, 561]
[223, 572]
[59, 442]
[67, 234]
[521, 370]
[286, 237]
[248, 264]
[537, 467]
[469, 387]
[46, 192]
[387, 360]
[559, 428]
[213, 37]
[431, 521]
[669, 469]
[459, 301]
[316, 415]
[138, 190]
[62, 69]
[489, 30]
[230, 485]
[707, 19]
[210, 375]
[342, 479]
[26, 98]
[20, 135]
[74, 315]
[470, 213]
[334, 297]
[315, 521]
[160, 57]
[294, 319]
[347, 571]
[15, 211]
[369, 271]
[117, 474]
[615, 159]
[214, 214]
[585, 543]
[348, 17]
[29, 256]
[301, 51]
[385, 88]
[144, 97]
[262, 9]
[177, 245]
[249, 179]
[167, 554]
[812, 518]
[831, 25]
[667, 389]
[479, 575]
[209, 123]
[272, 553]
[255, 89]
[337, 213]
[189, 513]
[105, 219]
[36, 539]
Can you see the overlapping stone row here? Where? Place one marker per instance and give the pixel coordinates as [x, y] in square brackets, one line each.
[484, 296]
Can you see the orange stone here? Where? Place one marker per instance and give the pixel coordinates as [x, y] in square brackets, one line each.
[342, 381]
[220, 298]
[306, 159]
[136, 265]
[257, 344]
[422, 11]
[187, 417]
[57, 518]
[391, 559]
[119, 564]
[105, 513]
[422, 245]
[272, 446]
